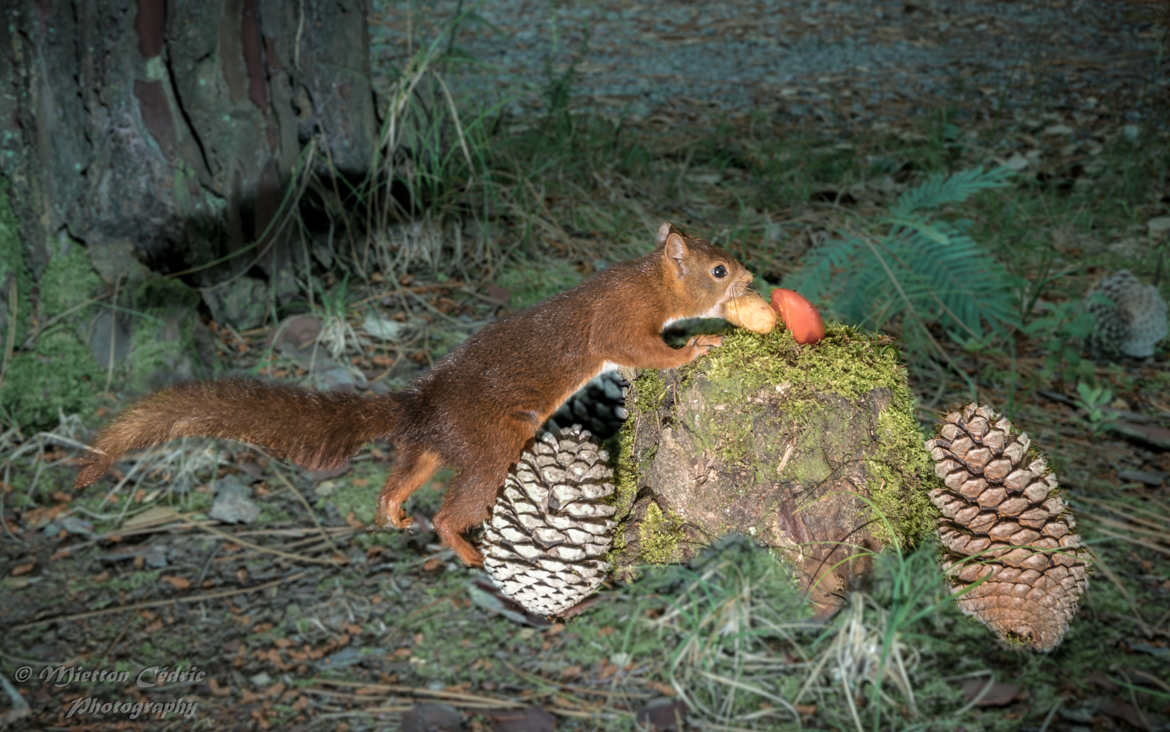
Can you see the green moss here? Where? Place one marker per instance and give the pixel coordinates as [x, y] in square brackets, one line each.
[731, 438]
[355, 493]
[848, 361]
[60, 376]
[273, 513]
[68, 284]
[154, 291]
[910, 514]
[163, 344]
[659, 535]
[625, 470]
[198, 501]
[150, 353]
[809, 465]
[649, 388]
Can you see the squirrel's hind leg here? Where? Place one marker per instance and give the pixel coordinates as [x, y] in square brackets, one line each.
[472, 494]
[468, 501]
[412, 468]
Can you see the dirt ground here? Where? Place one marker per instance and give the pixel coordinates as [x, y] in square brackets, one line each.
[839, 63]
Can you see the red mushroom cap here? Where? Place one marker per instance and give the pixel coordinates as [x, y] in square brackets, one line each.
[799, 315]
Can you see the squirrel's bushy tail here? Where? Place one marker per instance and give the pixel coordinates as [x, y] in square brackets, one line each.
[316, 429]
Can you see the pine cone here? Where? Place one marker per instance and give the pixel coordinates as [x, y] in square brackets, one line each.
[546, 542]
[599, 406]
[1131, 317]
[1006, 523]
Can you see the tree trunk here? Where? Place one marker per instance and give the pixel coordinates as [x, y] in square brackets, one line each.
[170, 131]
[153, 139]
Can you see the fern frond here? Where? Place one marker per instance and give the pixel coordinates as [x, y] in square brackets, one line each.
[924, 271]
[969, 285]
[816, 277]
[940, 189]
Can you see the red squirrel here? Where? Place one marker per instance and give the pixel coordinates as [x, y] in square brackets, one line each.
[477, 407]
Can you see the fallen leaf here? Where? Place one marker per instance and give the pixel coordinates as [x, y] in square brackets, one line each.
[571, 672]
[661, 688]
[179, 583]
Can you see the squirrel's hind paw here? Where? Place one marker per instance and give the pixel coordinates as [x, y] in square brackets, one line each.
[390, 513]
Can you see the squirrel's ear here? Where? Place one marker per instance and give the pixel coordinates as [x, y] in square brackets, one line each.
[675, 249]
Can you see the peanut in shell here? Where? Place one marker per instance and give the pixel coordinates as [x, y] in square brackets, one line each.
[752, 312]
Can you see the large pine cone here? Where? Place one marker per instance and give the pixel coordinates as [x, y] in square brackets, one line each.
[546, 542]
[1008, 524]
[599, 406]
[1130, 317]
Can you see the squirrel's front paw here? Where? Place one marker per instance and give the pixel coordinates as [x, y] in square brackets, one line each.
[701, 344]
[390, 513]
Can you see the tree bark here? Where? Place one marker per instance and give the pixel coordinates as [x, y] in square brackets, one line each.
[169, 131]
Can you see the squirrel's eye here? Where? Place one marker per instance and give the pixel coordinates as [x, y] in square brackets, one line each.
[719, 271]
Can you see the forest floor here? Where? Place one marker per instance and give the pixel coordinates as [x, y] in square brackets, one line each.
[768, 126]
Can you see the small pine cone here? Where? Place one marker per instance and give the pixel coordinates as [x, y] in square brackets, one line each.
[1003, 519]
[599, 406]
[1130, 317]
[546, 542]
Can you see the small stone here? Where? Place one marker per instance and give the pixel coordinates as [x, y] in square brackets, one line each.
[1158, 227]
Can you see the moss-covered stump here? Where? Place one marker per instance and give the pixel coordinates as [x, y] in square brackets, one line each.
[811, 450]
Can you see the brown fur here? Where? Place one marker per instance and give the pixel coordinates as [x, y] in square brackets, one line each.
[477, 408]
